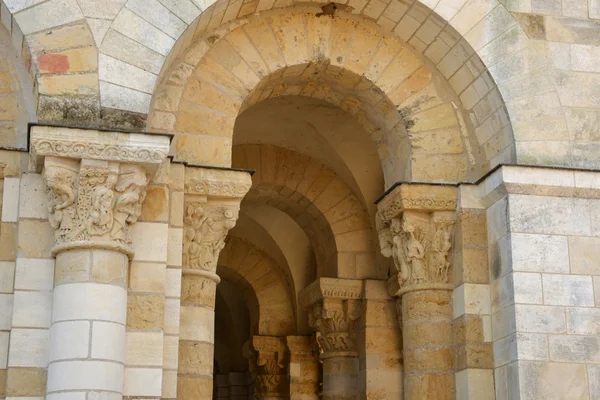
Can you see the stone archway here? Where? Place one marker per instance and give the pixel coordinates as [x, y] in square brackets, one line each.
[393, 91]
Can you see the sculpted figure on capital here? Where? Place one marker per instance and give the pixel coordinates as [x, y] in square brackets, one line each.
[94, 201]
[419, 244]
[205, 231]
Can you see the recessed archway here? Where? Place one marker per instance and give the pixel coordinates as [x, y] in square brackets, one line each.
[407, 107]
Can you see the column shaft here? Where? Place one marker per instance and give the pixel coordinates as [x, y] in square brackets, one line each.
[427, 340]
[196, 335]
[87, 337]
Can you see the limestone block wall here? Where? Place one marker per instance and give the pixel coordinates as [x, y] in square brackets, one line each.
[543, 235]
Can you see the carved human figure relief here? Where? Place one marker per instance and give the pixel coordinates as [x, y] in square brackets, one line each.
[60, 183]
[205, 231]
[94, 201]
[420, 248]
[131, 190]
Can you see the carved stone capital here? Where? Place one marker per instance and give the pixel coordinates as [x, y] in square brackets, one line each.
[96, 182]
[212, 205]
[333, 307]
[269, 366]
[334, 320]
[416, 225]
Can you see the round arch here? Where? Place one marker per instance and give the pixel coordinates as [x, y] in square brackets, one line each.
[321, 203]
[249, 267]
[405, 105]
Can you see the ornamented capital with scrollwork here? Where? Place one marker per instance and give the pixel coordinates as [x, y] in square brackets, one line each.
[416, 225]
[334, 306]
[212, 204]
[95, 199]
[269, 366]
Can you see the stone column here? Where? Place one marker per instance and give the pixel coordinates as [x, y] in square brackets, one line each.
[415, 224]
[333, 307]
[303, 368]
[268, 366]
[97, 183]
[212, 203]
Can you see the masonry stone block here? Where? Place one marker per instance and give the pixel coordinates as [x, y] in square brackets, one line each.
[34, 274]
[197, 323]
[583, 255]
[69, 339]
[32, 309]
[150, 241]
[4, 336]
[550, 380]
[568, 290]
[90, 375]
[540, 319]
[594, 379]
[147, 277]
[10, 200]
[29, 348]
[108, 341]
[7, 276]
[89, 301]
[29, 383]
[583, 321]
[173, 282]
[528, 214]
[6, 308]
[578, 349]
[33, 202]
[142, 382]
[144, 349]
[539, 253]
[503, 322]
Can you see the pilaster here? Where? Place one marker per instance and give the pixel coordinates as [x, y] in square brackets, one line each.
[415, 226]
[212, 200]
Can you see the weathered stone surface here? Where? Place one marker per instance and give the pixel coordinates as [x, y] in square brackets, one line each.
[26, 382]
[145, 311]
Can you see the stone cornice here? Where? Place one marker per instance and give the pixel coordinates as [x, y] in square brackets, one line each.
[331, 288]
[416, 197]
[149, 150]
[219, 183]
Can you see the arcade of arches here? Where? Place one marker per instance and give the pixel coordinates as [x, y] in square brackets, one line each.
[258, 199]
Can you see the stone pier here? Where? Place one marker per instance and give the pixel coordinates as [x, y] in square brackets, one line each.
[334, 307]
[416, 225]
[212, 203]
[96, 183]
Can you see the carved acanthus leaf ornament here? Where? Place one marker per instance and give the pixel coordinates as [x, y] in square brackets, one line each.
[334, 320]
[93, 201]
[269, 366]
